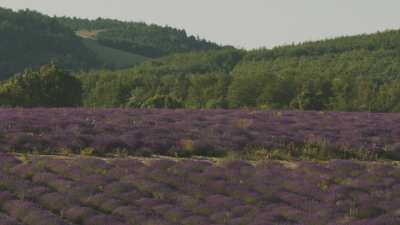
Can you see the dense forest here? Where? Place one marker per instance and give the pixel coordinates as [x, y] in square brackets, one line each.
[359, 73]
[29, 39]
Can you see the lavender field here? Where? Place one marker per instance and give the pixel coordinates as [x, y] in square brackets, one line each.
[53, 190]
[86, 167]
[320, 135]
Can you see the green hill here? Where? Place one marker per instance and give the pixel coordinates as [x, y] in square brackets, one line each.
[357, 73]
[111, 57]
[139, 38]
[387, 40]
[29, 39]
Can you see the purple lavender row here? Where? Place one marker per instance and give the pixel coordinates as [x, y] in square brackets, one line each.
[196, 192]
[203, 132]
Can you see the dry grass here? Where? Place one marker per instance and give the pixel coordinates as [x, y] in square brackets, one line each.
[90, 34]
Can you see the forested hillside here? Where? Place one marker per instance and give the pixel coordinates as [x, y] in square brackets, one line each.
[193, 80]
[140, 38]
[359, 73]
[30, 39]
[356, 73]
[388, 40]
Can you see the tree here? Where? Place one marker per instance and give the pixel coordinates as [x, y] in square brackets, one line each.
[162, 101]
[277, 93]
[388, 99]
[47, 87]
[59, 89]
[208, 90]
[314, 94]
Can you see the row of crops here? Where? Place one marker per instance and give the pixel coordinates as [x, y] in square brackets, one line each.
[247, 133]
[50, 190]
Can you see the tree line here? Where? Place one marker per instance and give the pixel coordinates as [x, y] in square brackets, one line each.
[249, 85]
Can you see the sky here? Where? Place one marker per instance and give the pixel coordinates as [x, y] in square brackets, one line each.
[244, 24]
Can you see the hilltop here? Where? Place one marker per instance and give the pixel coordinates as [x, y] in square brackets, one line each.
[30, 39]
[139, 38]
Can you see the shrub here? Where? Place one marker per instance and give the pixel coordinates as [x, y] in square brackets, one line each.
[54, 201]
[5, 197]
[103, 220]
[162, 101]
[195, 220]
[110, 204]
[77, 214]
[48, 87]
[4, 219]
[367, 212]
[117, 188]
[88, 152]
[39, 217]
[18, 209]
[204, 148]
[130, 214]
[394, 152]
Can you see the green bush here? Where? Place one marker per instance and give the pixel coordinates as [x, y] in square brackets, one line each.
[48, 87]
[162, 101]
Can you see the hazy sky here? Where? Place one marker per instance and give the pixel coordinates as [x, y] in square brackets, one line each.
[247, 24]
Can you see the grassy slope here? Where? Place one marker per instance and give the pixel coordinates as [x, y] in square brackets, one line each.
[29, 39]
[90, 34]
[149, 40]
[111, 56]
